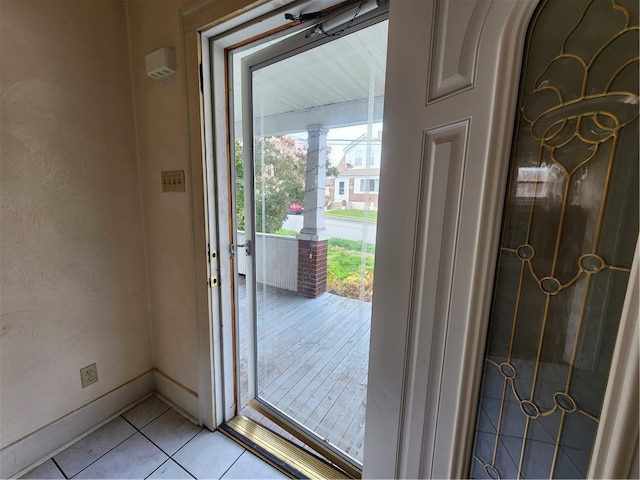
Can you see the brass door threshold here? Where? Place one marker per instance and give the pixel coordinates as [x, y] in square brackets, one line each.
[290, 459]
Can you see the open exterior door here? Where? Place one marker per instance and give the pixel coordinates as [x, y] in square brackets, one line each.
[314, 105]
[449, 112]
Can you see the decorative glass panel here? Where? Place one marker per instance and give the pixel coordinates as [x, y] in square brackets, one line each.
[569, 232]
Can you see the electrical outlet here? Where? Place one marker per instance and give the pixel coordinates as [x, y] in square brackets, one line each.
[173, 181]
[89, 375]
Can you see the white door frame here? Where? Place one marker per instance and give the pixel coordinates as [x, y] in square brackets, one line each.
[429, 318]
[205, 69]
[345, 188]
[209, 29]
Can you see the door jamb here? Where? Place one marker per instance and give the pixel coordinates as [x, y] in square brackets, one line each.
[195, 20]
[207, 122]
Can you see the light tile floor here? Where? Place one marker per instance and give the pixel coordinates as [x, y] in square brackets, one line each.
[152, 440]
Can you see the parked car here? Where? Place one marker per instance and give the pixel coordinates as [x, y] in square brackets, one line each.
[296, 209]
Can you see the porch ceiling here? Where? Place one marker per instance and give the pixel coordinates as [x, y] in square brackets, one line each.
[338, 84]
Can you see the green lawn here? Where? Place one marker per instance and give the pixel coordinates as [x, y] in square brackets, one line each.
[352, 245]
[346, 274]
[286, 233]
[368, 215]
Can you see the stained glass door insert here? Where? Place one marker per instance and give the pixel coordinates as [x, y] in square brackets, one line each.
[569, 233]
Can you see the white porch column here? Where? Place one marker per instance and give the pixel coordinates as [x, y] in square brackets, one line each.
[312, 239]
[315, 180]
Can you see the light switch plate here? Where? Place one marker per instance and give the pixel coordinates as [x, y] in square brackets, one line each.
[173, 181]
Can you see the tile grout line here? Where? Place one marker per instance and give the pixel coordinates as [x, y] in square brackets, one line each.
[149, 422]
[188, 471]
[158, 468]
[185, 468]
[235, 461]
[169, 457]
[167, 460]
[59, 468]
[162, 450]
[105, 453]
[137, 430]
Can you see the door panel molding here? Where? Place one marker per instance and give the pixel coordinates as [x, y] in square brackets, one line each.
[454, 56]
[444, 157]
[398, 386]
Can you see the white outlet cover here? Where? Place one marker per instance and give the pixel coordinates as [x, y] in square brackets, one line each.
[89, 375]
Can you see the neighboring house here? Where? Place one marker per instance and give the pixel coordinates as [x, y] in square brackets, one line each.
[358, 180]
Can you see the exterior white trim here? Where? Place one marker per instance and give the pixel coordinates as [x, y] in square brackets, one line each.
[420, 416]
[345, 188]
[357, 186]
[616, 442]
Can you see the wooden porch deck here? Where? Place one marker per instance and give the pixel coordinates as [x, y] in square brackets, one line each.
[313, 358]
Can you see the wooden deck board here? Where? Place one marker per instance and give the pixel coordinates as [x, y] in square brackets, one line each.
[314, 355]
[324, 380]
[315, 362]
[302, 361]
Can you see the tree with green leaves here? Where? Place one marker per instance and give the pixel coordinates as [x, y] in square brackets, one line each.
[279, 181]
[280, 167]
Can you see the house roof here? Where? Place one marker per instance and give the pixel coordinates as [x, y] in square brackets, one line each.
[345, 171]
[357, 141]
[361, 172]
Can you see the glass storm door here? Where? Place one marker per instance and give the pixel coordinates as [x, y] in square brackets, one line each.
[569, 233]
[305, 289]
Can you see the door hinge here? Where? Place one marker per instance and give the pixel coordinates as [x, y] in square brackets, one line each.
[201, 78]
[212, 254]
[213, 281]
[233, 247]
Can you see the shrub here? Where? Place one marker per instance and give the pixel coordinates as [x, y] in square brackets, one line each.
[353, 245]
[345, 275]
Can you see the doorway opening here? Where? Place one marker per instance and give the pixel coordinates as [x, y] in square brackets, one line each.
[305, 117]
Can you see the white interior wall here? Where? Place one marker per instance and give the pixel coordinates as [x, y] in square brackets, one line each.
[74, 286]
[162, 127]
[85, 135]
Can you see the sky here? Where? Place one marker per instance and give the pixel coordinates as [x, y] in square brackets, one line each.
[339, 138]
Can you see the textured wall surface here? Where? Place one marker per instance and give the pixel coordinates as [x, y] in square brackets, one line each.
[74, 288]
[161, 114]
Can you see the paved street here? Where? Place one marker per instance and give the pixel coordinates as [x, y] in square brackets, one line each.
[339, 228]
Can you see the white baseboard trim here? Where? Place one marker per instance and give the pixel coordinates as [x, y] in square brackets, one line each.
[28, 452]
[180, 397]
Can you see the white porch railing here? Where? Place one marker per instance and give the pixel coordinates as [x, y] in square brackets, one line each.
[279, 266]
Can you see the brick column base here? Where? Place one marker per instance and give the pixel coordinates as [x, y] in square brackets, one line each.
[312, 267]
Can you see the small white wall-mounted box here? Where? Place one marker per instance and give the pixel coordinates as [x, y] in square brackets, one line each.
[161, 63]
